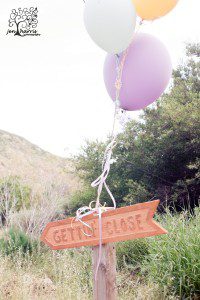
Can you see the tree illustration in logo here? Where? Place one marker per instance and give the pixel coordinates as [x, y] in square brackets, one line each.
[23, 19]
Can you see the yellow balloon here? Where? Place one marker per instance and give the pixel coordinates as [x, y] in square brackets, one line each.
[153, 9]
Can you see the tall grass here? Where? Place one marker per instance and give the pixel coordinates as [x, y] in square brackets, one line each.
[54, 275]
[174, 259]
[171, 262]
[156, 268]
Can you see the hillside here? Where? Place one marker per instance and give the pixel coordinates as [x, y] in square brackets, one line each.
[36, 167]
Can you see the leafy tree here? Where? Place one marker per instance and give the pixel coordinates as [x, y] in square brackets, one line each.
[159, 155]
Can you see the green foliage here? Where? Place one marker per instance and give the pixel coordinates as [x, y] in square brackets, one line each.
[16, 241]
[13, 196]
[79, 199]
[137, 193]
[174, 259]
[157, 156]
[88, 162]
[131, 254]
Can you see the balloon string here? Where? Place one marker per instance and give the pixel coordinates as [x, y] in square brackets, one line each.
[100, 182]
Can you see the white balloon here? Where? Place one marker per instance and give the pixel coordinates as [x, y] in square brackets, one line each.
[110, 23]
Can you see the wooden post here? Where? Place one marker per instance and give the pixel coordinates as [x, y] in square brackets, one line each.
[104, 287]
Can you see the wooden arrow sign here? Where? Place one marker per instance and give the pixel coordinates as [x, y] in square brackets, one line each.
[126, 223]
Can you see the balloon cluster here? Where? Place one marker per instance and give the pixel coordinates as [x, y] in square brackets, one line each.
[147, 70]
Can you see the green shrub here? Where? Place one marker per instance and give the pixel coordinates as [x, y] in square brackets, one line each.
[174, 259]
[131, 253]
[16, 241]
[13, 196]
[79, 199]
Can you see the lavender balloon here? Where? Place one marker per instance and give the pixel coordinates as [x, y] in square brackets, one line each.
[146, 73]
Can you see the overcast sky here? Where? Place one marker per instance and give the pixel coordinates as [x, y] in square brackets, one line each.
[51, 87]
